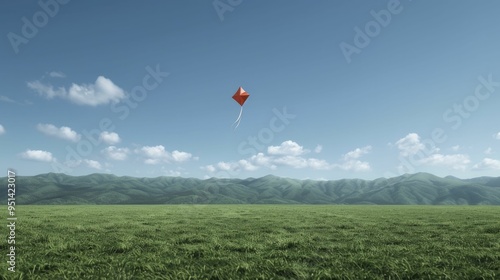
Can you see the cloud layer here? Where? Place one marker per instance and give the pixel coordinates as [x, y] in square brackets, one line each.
[488, 164]
[291, 154]
[103, 91]
[412, 147]
[158, 154]
[352, 162]
[287, 148]
[110, 138]
[409, 145]
[115, 153]
[62, 132]
[38, 155]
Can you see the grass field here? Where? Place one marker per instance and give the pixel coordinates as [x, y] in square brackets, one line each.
[256, 242]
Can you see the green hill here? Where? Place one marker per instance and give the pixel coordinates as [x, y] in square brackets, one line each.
[420, 188]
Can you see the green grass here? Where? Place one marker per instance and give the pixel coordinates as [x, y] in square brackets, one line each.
[256, 242]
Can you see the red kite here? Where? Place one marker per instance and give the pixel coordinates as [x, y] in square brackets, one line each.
[240, 96]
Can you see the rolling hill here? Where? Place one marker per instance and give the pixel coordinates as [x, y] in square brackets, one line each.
[420, 188]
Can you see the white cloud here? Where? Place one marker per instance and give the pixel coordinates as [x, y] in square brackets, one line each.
[300, 162]
[351, 160]
[287, 148]
[247, 165]
[318, 164]
[226, 166]
[497, 136]
[318, 149]
[409, 145]
[63, 132]
[57, 74]
[2, 130]
[38, 155]
[487, 163]
[210, 168]
[261, 160]
[488, 151]
[115, 153]
[181, 156]
[230, 166]
[455, 161]
[292, 161]
[110, 138]
[357, 153]
[158, 154]
[154, 151]
[103, 91]
[93, 164]
[289, 154]
[242, 164]
[355, 165]
[47, 91]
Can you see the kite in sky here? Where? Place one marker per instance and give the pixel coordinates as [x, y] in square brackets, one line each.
[240, 96]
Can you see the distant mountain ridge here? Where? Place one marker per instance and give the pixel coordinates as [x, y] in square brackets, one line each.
[419, 188]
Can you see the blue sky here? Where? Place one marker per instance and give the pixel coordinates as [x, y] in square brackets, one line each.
[338, 89]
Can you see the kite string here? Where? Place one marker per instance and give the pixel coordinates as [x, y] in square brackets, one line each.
[238, 120]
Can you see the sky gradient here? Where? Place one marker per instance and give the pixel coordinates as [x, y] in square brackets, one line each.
[338, 89]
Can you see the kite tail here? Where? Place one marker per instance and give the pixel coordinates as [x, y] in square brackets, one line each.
[238, 120]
